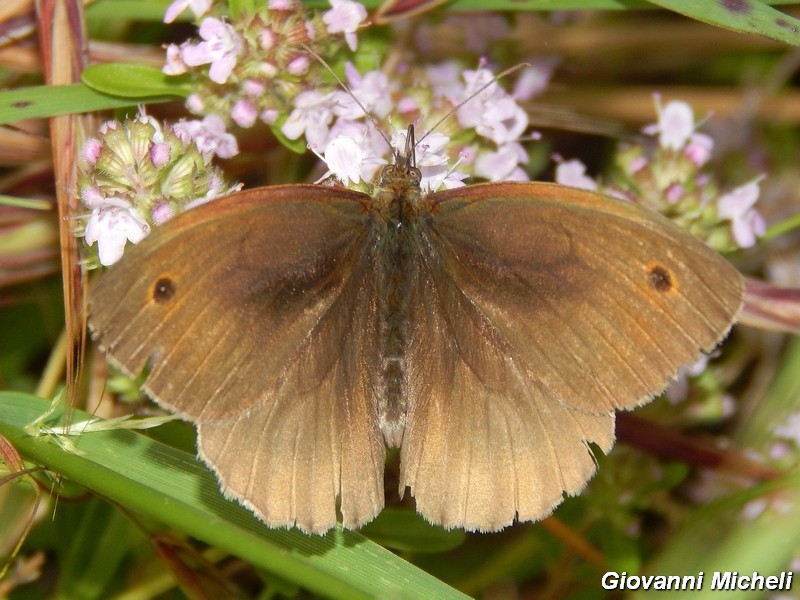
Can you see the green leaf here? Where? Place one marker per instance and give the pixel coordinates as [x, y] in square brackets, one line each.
[134, 81]
[746, 16]
[175, 488]
[53, 100]
[298, 146]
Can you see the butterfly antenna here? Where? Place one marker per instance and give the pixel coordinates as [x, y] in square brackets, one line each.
[458, 106]
[409, 155]
[349, 91]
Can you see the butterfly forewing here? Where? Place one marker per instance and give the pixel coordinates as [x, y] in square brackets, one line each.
[600, 300]
[258, 324]
[538, 311]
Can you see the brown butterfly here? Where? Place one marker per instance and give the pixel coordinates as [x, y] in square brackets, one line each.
[489, 332]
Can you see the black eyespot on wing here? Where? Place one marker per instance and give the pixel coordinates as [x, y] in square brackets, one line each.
[163, 290]
[659, 278]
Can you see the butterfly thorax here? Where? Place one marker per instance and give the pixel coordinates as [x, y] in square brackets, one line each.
[397, 195]
[397, 200]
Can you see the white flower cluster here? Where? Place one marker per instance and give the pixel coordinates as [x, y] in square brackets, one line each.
[674, 173]
[138, 173]
[489, 120]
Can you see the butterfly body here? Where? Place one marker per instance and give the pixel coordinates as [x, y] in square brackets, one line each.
[490, 332]
[397, 205]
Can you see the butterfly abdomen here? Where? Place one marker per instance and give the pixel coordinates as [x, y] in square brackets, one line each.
[394, 264]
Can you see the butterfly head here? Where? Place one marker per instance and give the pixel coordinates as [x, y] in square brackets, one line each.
[404, 167]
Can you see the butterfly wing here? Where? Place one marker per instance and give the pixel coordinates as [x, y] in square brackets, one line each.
[246, 312]
[537, 311]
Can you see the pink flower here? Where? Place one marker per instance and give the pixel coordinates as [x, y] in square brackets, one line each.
[195, 104]
[312, 116]
[91, 149]
[252, 87]
[737, 206]
[502, 164]
[446, 80]
[269, 116]
[345, 17]
[267, 39]
[221, 48]
[369, 138]
[159, 154]
[504, 121]
[107, 126]
[754, 509]
[112, 225]
[447, 178]
[637, 164]
[344, 157]
[699, 148]
[675, 124]
[174, 64]
[298, 66]
[209, 136]
[244, 113]
[198, 7]
[354, 152]
[407, 105]
[493, 113]
[533, 80]
[161, 213]
[573, 173]
[430, 151]
[674, 192]
[92, 197]
[372, 89]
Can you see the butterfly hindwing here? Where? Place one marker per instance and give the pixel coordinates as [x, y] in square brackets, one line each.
[484, 444]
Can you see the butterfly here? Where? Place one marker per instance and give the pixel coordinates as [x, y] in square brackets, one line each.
[489, 332]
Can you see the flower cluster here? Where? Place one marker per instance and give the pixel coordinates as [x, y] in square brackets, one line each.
[478, 125]
[258, 63]
[138, 173]
[260, 67]
[673, 182]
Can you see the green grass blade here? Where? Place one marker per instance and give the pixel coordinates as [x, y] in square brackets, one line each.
[153, 10]
[49, 101]
[719, 538]
[92, 554]
[746, 16]
[173, 487]
[723, 536]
